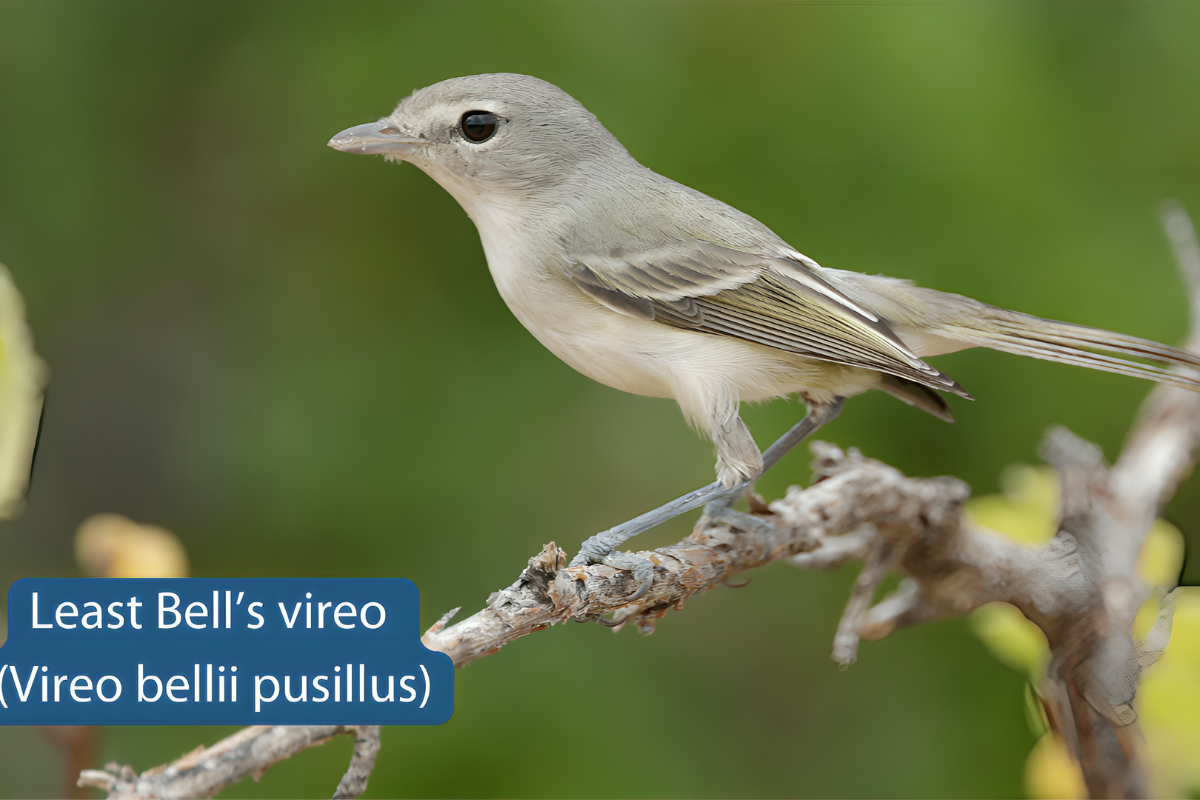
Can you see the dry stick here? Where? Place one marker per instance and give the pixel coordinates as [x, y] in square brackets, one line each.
[1079, 588]
[204, 772]
[845, 642]
[366, 747]
[1085, 592]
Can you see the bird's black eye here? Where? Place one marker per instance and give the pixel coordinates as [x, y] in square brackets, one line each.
[478, 126]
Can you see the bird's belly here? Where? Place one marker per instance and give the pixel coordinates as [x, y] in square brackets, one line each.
[653, 359]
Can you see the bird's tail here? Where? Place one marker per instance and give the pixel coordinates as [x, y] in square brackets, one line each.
[1026, 335]
[934, 322]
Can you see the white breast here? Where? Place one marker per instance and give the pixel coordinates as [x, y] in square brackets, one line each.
[612, 348]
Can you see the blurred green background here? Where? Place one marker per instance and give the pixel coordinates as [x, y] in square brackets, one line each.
[296, 360]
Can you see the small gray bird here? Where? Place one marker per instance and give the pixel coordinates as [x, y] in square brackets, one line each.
[651, 287]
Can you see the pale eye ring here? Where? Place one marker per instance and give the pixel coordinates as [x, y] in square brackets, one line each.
[478, 126]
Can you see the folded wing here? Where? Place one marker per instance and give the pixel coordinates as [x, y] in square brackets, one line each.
[777, 301]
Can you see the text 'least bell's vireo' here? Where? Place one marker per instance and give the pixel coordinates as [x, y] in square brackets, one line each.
[651, 287]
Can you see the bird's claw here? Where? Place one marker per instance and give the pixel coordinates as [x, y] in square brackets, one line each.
[596, 553]
[642, 569]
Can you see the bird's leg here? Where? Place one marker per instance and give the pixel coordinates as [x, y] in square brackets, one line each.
[601, 548]
[720, 509]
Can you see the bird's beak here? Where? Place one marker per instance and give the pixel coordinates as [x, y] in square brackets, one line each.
[375, 138]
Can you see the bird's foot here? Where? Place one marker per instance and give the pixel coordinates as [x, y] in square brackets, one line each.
[598, 551]
[642, 569]
[601, 548]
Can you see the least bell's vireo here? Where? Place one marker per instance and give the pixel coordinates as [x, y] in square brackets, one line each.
[651, 287]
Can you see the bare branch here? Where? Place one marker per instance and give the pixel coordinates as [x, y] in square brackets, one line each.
[1160, 452]
[845, 641]
[204, 772]
[366, 747]
[1182, 235]
[851, 493]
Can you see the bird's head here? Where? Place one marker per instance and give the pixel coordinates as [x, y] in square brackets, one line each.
[500, 133]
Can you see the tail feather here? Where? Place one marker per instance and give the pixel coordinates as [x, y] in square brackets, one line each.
[949, 318]
[1080, 336]
[1022, 334]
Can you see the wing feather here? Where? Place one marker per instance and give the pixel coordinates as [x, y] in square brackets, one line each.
[779, 301]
